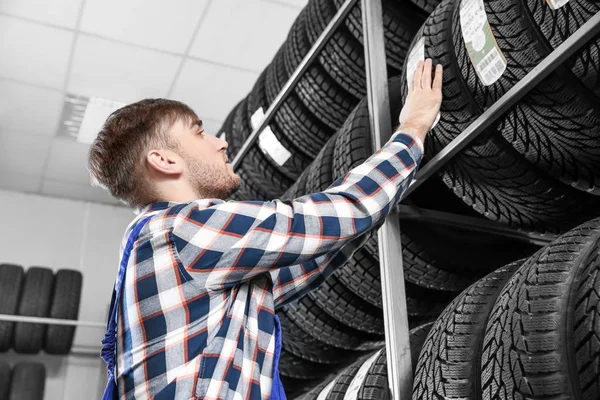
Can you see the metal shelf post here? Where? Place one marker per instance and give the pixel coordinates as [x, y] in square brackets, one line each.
[390, 245]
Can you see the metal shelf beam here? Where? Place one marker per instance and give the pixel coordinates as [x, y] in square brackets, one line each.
[51, 321]
[85, 351]
[294, 79]
[474, 224]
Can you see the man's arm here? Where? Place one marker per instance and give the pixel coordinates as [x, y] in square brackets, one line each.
[293, 282]
[229, 242]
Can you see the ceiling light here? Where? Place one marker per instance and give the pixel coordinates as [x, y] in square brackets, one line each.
[83, 117]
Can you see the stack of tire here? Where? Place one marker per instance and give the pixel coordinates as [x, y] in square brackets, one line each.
[321, 101]
[38, 293]
[538, 167]
[25, 381]
[529, 330]
[342, 318]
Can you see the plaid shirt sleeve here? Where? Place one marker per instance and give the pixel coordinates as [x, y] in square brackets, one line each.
[293, 282]
[225, 243]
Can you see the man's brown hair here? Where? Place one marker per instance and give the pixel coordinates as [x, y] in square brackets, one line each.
[117, 154]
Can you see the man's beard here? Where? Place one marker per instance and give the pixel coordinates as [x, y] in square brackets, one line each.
[211, 181]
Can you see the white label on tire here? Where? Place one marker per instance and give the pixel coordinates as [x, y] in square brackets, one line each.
[359, 378]
[417, 54]
[267, 141]
[491, 67]
[326, 390]
[486, 57]
[556, 4]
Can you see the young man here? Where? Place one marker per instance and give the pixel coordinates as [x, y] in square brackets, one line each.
[193, 307]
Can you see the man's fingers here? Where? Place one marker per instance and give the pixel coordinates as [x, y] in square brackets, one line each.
[427, 74]
[418, 78]
[437, 80]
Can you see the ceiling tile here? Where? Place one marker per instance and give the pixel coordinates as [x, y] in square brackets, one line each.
[68, 162]
[212, 90]
[59, 12]
[166, 26]
[34, 53]
[69, 190]
[299, 4]
[211, 126]
[23, 153]
[120, 72]
[19, 182]
[26, 108]
[231, 33]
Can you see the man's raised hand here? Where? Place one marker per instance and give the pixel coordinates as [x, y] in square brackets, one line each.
[424, 99]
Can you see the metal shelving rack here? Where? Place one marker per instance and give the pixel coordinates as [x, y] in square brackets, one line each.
[390, 246]
[390, 250]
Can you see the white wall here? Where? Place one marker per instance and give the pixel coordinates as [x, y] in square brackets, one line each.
[59, 233]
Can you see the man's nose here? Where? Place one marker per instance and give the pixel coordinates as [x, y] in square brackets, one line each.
[221, 144]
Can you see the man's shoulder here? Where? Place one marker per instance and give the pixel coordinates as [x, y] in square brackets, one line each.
[179, 216]
[169, 208]
[197, 211]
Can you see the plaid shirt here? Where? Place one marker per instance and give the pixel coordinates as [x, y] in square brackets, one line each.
[197, 313]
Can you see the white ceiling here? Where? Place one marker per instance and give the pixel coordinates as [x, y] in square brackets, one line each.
[207, 53]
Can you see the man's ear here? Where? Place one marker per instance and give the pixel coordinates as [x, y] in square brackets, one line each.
[165, 162]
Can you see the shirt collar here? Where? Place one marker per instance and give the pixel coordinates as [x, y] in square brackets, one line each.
[152, 208]
[157, 206]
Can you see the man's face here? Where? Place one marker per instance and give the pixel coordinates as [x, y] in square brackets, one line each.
[206, 165]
